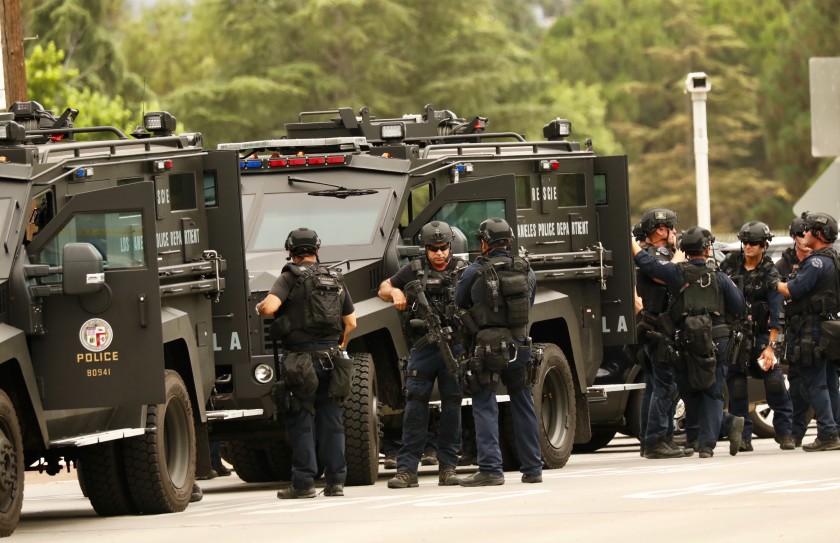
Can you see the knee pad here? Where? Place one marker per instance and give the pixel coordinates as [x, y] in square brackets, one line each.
[775, 383]
[415, 396]
[738, 388]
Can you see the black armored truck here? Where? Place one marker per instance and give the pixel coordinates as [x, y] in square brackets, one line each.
[108, 276]
[367, 185]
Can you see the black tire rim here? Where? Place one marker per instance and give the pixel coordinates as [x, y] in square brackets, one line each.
[176, 442]
[554, 409]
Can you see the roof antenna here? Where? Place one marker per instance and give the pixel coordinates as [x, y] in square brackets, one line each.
[140, 131]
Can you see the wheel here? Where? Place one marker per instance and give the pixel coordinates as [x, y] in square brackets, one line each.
[160, 465]
[249, 462]
[762, 419]
[101, 472]
[80, 478]
[11, 467]
[600, 439]
[554, 400]
[361, 424]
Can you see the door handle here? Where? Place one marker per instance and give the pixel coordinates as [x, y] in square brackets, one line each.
[143, 310]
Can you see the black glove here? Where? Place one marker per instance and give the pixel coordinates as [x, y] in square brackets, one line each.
[773, 283]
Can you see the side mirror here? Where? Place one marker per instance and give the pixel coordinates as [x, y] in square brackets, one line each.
[82, 269]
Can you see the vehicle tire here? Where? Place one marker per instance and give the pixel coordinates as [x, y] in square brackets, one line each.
[101, 472]
[554, 400]
[80, 478]
[600, 439]
[160, 465]
[361, 424]
[762, 419]
[11, 464]
[250, 463]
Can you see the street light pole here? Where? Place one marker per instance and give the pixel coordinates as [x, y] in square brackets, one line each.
[698, 85]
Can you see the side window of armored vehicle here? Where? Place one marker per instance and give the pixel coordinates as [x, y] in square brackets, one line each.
[571, 190]
[418, 199]
[210, 192]
[117, 236]
[41, 211]
[182, 191]
[600, 189]
[467, 216]
[523, 192]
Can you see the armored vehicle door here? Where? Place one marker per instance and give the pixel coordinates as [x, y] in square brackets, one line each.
[611, 204]
[223, 205]
[101, 348]
[465, 205]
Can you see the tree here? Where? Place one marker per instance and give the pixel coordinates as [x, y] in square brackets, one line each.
[50, 84]
[641, 52]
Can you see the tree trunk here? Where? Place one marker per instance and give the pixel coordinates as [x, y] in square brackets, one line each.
[13, 62]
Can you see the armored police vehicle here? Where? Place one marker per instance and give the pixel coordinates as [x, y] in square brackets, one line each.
[367, 185]
[107, 279]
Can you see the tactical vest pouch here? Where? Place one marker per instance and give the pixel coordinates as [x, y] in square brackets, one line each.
[299, 374]
[830, 340]
[697, 335]
[493, 349]
[701, 370]
[322, 311]
[341, 380]
[514, 289]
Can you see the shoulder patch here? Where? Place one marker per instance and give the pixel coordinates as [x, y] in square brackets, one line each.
[817, 262]
[663, 251]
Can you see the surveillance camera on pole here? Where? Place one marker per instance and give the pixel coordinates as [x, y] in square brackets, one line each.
[697, 83]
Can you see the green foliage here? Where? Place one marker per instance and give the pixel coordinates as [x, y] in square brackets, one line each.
[51, 85]
[240, 69]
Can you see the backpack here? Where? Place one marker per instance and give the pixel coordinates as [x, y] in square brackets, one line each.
[507, 296]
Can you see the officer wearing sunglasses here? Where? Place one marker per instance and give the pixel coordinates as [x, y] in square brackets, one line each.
[753, 352]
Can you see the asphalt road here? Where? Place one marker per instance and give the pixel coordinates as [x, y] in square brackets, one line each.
[611, 495]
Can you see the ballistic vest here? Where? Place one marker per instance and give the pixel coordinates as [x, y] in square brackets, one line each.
[753, 285]
[654, 295]
[824, 297]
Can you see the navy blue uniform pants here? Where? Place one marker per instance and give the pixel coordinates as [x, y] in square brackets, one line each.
[776, 393]
[526, 432]
[706, 405]
[318, 437]
[659, 403]
[425, 366]
[816, 383]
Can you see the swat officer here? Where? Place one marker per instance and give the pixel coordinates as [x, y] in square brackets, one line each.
[703, 296]
[659, 401]
[317, 331]
[498, 291]
[814, 299]
[752, 346]
[788, 264]
[434, 274]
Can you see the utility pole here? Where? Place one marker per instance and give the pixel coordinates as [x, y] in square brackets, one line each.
[698, 85]
[12, 60]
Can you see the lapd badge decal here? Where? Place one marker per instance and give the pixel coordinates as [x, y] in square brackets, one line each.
[96, 335]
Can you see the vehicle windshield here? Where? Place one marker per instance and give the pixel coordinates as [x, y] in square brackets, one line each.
[351, 221]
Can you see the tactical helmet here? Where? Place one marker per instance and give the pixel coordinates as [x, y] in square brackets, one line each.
[797, 226]
[652, 218]
[494, 231]
[755, 231]
[822, 223]
[302, 240]
[435, 233]
[695, 240]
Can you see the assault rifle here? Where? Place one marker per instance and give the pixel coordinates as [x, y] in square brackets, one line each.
[436, 332]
